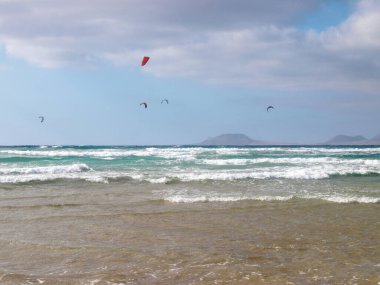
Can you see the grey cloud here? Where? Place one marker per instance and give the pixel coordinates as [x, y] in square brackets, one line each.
[249, 43]
[51, 18]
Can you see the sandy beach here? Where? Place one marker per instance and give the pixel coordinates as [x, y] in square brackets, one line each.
[48, 238]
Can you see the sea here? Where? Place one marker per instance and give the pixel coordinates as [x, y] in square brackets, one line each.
[189, 215]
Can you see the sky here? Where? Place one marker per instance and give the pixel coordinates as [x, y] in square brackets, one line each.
[220, 63]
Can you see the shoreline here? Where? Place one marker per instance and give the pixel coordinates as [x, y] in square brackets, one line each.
[244, 242]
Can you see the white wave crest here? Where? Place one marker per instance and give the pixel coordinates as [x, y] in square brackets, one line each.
[203, 155]
[182, 199]
[290, 160]
[170, 153]
[318, 172]
[352, 199]
[165, 175]
[53, 169]
[11, 179]
[47, 173]
[213, 198]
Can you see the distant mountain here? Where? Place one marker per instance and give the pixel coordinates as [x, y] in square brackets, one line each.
[346, 140]
[241, 139]
[232, 139]
[375, 140]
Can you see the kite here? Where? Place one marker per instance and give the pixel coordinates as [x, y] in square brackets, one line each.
[165, 100]
[144, 60]
[145, 104]
[42, 118]
[269, 107]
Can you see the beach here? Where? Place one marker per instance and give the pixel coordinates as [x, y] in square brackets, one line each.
[207, 142]
[189, 215]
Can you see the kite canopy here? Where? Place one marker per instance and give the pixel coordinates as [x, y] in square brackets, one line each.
[165, 100]
[144, 60]
[269, 107]
[145, 104]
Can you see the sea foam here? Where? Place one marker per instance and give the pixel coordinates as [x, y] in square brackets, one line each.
[46, 173]
[212, 198]
[53, 169]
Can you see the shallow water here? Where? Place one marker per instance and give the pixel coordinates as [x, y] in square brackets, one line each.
[149, 224]
[70, 233]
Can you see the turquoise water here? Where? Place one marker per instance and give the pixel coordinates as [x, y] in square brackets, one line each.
[336, 174]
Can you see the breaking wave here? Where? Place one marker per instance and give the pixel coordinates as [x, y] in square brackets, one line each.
[84, 172]
[173, 165]
[185, 152]
[47, 173]
[334, 199]
[53, 169]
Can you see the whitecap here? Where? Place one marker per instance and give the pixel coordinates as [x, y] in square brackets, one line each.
[52, 169]
[222, 198]
[188, 199]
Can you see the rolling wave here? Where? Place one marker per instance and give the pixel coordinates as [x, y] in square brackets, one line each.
[334, 199]
[53, 169]
[83, 172]
[186, 152]
[184, 164]
[47, 173]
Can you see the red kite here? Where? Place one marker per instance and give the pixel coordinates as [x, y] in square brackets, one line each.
[144, 60]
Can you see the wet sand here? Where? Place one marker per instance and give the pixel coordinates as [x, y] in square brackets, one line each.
[110, 238]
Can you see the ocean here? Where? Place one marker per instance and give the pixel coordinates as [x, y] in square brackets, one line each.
[189, 215]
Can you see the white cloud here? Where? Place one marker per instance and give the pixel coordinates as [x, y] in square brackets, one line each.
[361, 32]
[247, 43]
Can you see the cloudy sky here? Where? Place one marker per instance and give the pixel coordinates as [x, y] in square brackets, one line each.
[219, 62]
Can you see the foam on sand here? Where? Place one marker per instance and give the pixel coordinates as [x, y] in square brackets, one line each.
[212, 198]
